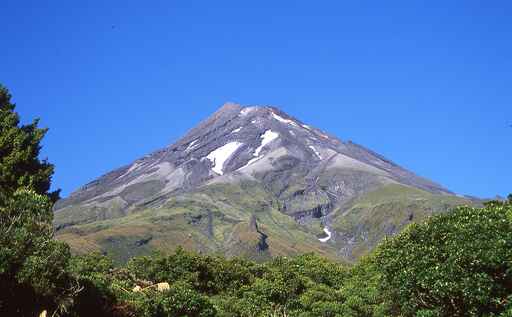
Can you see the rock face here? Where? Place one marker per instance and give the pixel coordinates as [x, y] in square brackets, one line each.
[240, 167]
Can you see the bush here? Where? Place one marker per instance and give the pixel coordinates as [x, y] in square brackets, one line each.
[455, 264]
[361, 291]
[32, 264]
[207, 274]
[180, 300]
[93, 273]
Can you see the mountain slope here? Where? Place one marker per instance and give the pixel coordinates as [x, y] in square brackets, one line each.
[249, 181]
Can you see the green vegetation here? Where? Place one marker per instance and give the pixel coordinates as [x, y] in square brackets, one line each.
[453, 264]
[457, 263]
[213, 219]
[307, 285]
[19, 151]
[32, 263]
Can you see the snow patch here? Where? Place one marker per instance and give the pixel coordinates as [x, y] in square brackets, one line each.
[219, 156]
[247, 110]
[236, 130]
[191, 145]
[316, 152]
[305, 126]
[291, 132]
[132, 168]
[267, 137]
[281, 119]
[328, 233]
[251, 161]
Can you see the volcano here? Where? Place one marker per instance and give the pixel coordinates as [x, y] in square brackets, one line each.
[254, 182]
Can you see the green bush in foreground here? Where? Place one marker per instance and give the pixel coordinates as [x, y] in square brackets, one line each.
[455, 264]
[32, 264]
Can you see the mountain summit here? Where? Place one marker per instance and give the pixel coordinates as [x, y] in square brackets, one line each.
[249, 181]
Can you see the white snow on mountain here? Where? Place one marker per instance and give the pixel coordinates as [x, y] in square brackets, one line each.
[191, 145]
[267, 137]
[251, 161]
[316, 152]
[247, 110]
[283, 120]
[328, 233]
[219, 156]
[132, 168]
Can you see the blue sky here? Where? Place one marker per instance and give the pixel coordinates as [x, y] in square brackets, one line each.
[425, 83]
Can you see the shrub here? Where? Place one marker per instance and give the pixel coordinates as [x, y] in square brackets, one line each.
[455, 264]
[32, 264]
[180, 300]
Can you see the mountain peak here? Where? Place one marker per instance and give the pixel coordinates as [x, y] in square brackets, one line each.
[246, 140]
[229, 107]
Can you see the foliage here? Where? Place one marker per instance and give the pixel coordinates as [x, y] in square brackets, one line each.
[20, 166]
[180, 300]
[455, 264]
[361, 290]
[306, 285]
[208, 274]
[92, 273]
[32, 264]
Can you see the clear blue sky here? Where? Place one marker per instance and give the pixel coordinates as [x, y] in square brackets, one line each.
[427, 84]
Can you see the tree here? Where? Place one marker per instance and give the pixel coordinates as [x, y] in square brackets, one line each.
[20, 166]
[32, 263]
[455, 264]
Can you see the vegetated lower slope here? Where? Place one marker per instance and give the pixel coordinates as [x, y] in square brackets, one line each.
[229, 219]
[452, 264]
[249, 181]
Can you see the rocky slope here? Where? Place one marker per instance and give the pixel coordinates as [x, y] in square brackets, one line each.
[249, 181]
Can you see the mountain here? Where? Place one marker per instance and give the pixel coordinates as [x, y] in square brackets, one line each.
[250, 181]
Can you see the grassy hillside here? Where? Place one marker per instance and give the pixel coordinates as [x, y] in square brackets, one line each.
[214, 219]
